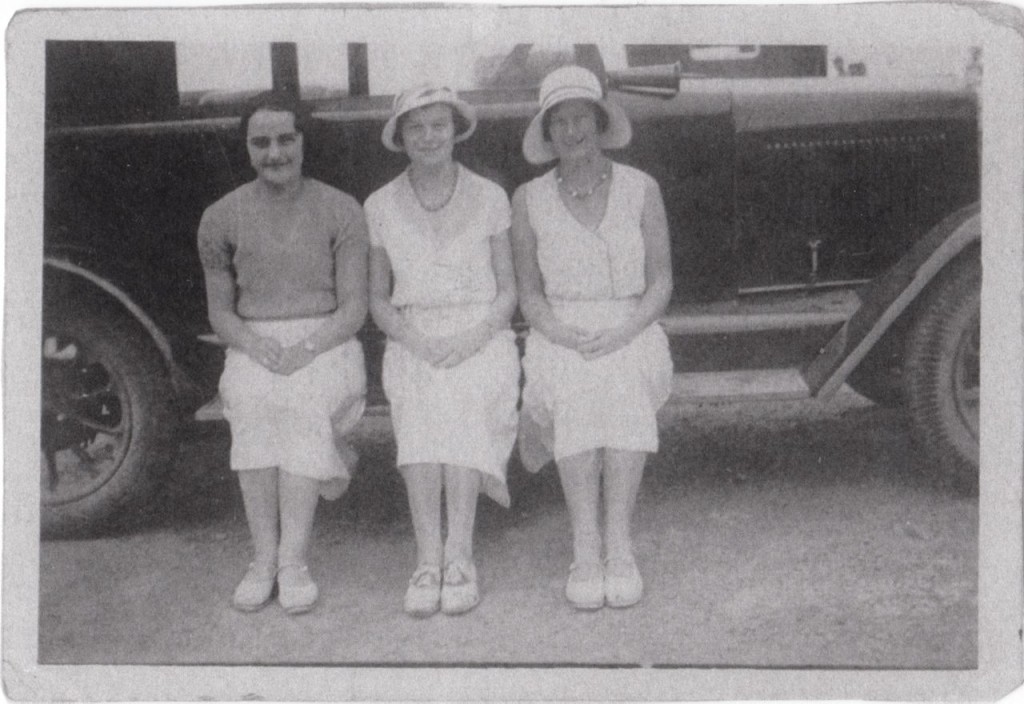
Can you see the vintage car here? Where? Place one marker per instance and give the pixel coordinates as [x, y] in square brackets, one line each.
[824, 224]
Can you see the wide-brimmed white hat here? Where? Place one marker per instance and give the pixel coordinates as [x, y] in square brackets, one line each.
[421, 96]
[567, 83]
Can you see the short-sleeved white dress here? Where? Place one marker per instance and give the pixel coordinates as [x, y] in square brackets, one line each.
[592, 279]
[444, 283]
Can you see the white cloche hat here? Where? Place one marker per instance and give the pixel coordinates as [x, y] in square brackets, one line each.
[421, 96]
[567, 83]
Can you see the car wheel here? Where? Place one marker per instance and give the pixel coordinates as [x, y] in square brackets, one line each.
[943, 373]
[107, 422]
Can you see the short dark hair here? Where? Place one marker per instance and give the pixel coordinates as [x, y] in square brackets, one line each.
[276, 101]
[599, 113]
[458, 120]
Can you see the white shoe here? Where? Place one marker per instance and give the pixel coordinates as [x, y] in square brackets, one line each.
[255, 590]
[299, 593]
[423, 597]
[460, 592]
[585, 588]
[623, 585]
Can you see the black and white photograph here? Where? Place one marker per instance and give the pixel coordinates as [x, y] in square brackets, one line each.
[484, 352]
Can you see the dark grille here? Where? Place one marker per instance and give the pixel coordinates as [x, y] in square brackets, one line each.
[863, 196]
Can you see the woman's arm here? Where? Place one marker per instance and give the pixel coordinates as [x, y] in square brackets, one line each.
[658, 275]
[390, 320]
[220, 302]
[530, 283]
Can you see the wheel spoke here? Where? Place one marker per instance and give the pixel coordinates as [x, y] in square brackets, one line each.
[71, 413]
[117, 429]
[85, 420]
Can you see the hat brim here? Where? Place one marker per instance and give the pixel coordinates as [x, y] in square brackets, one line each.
[618, 134]
[463, 108]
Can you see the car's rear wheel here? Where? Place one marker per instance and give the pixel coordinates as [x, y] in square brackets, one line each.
[943, 373]
[107, 421]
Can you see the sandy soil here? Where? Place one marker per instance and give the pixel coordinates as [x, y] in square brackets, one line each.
[770, 534]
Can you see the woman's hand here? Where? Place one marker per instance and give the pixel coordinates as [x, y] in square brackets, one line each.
[432, 350]
[603, 342]
[466, 344]
[569, 336]
[266, 352]
[293, 359]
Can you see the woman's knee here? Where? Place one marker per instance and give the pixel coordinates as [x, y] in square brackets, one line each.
[617, 459]
[580, 462]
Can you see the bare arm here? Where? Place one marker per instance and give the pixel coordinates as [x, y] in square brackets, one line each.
[220, 302]
[658, 275]
[504, 304]
[530, 282]
[389, 319]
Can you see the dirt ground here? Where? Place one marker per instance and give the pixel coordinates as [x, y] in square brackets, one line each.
[770, 534]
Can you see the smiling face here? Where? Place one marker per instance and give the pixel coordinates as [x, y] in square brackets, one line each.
[573, 127]
[275, 148]
[428, 134]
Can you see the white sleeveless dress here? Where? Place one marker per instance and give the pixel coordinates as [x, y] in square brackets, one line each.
[444, 283]
[592, 279]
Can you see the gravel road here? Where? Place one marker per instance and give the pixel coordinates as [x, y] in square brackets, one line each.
[769, 534]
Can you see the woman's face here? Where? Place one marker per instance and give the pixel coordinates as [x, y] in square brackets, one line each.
[275, 148]
[573, 129]
[428, 134]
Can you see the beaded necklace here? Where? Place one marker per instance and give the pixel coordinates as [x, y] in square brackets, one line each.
[583, 194]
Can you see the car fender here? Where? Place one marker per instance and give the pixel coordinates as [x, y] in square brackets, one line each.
[157, 335]
[888, 296]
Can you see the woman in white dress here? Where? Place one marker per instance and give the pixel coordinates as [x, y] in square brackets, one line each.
[590, 239]
[442, 288]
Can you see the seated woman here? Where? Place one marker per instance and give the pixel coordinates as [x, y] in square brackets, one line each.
[285, 263]
[592, 261]
[439, 233]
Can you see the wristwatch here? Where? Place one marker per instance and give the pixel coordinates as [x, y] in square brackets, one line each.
[309, 347]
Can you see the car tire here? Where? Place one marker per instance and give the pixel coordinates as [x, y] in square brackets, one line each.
[107, 422]
[943, 372]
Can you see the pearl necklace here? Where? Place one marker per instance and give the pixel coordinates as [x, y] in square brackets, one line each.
[583, 194]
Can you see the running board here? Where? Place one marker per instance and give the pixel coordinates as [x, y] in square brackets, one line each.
[213, 411]
[742, 385]
[692, 387]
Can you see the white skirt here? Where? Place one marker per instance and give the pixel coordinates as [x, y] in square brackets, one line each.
[572, 405]
[463, 416]
[295, 423]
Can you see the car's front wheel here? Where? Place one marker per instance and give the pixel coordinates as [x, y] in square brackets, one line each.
[943, 372]
[107, 420]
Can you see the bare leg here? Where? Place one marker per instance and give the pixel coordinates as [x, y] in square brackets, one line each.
[623, 470]
[423, 485]
[259, 495]
[462, 486]
[581, 483]
[297, 592]
[298, 500]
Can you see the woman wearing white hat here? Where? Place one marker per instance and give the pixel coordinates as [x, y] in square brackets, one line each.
[439, 233]
[590, 239]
